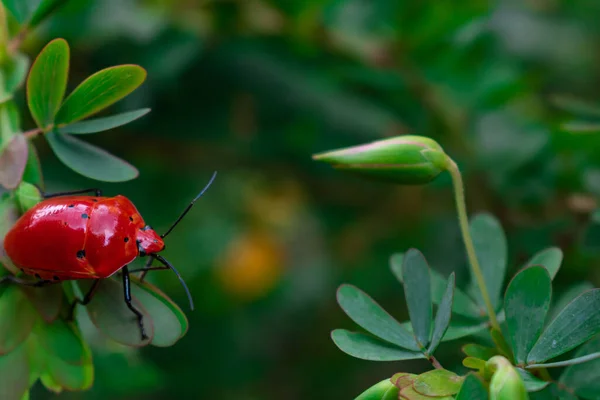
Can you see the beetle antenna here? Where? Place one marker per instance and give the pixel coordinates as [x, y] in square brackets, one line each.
[189, 206]
[172, 268]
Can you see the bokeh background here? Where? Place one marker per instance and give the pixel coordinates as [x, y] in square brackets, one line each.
[252, 88]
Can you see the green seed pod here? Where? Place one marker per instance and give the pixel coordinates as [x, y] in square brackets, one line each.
[27, 196]
[384, 390]
[506, 383]
[407, 160]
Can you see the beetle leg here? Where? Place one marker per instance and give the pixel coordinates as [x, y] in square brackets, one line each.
[97, 192]
[147, 268]
[23, 282]
[127, 292]
[86, 299]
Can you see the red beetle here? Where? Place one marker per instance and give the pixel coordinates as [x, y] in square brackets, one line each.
[68, 236]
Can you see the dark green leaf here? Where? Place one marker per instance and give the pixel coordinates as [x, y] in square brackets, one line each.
[438, 383]
[532, 383]
[47, 82]
[479, 351]
[584, 378]
[526, 304]
[21, 9]
[13, 161]
[61, 340]
[69, 376]
[443, 316]
[472, 389]
[551, 258]
[576, 323]
[369, 315]
[576, 106]
[45, 8]
[417, 289]
[568, 296]
[89, 160]
[47, 300]
[16, 72]
[17, 317]
[456, 330]
[501, 344]
[491, 249]
[103, 124]
[462, 303]
[99, 91]
[366, 347]
[170, 323]
[110, 314]
[14, 374]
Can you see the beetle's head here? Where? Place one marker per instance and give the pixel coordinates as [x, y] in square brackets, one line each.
[148, 241]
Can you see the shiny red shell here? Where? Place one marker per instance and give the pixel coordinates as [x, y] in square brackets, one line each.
[79, 237]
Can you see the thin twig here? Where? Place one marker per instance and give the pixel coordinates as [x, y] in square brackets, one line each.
[436, 364]
[32, 133]
[16, 41]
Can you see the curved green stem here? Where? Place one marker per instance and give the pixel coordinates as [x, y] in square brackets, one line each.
[459, 195]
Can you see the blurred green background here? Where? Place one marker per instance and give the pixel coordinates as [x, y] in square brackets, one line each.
[252, 88]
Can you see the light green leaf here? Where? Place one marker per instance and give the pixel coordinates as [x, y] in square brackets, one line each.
[61, 340]
[363, 310]
[170, 322]
[89, 160]
[443, 316]
[479, 351]
[16, 72]
[462, 303]
[17, 317]
[584, 378]
[103, 124]
[438, 383]
[377, 391]
[491, 249]
[366, 347]
[14, 374]
[526, 304]
[551, 258]
[472, 389]
[99, 91]
[409, 393]
[47, 82]
[576, 323]
[113, 318]
[532, 383]
[417, 289]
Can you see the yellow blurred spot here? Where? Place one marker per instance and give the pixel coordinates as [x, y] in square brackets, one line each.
[251, 266]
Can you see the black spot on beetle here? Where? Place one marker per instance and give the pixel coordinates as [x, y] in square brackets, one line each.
[95, 200]
[38, 276]
[65, 223]
[84, 216]
[56, 278]
[81, 254]
[22, 270]
[131, 219]
[126, 240]
[71, 205]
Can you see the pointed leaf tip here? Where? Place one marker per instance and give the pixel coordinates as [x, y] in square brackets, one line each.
[417, 289]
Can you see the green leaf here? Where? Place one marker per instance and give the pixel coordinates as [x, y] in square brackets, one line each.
[13, 161]
[21, 9]
[103, 124]
[576, 323]
[568, 296]
[47, 82]
[363, 310]
[479, 351]
[366, 347]
[45, 8]
[491, 249]
[409, 393]
[61, 340]
[16, 72]
[474, 363]
[584, 378]
[443, 316]
[99, 91]
[551, 258]
[113, 318]
[89, 160]
[438, 383]
[417, 289]
[47, 300]
[526, 304]
[532, 382]
[472, 389]
[462, 303]
[403, 379]
[14, 374]
[69, 376]
[17, 318]
[576, 106]
[170, 323]
[501, 344]
[33, 168]
[377, 391]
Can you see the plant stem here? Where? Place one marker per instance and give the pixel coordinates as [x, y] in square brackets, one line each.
[459, 195]
[436, 364]
[32, 133]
